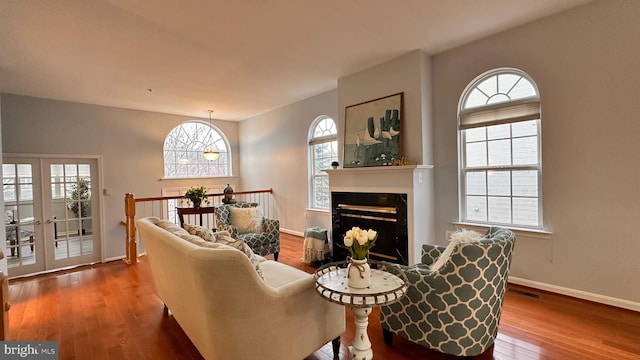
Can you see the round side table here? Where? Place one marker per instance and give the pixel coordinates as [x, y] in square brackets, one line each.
[385, 288]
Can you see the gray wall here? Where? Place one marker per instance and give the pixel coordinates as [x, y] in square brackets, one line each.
[274, 152]
[408, 74]
[129, 141]
[586, 63]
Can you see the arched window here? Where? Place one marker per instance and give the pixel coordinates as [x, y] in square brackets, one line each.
[184, 147]
[500, 150]
[323, 150]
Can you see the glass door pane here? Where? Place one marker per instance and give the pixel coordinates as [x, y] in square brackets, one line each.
[21, 217]
[71, 202]
[51, 213]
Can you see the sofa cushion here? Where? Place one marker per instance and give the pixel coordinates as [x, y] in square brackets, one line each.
[171, 227]
[224, 238]
[247, 220]
[180, 232]
[200, 231]
[277, 274]
[204, 233]
[242, 246]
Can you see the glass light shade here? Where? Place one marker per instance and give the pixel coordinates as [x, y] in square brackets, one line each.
[211, 155]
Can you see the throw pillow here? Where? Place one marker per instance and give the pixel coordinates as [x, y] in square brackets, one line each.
[247, 220]
[200, 231]
[242, 246]
[459, 237]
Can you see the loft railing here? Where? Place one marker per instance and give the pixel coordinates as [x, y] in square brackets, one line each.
[164, 207]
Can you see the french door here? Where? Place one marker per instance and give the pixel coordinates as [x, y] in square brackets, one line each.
[51, 213]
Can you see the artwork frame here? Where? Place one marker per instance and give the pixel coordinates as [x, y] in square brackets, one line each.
[372, 132]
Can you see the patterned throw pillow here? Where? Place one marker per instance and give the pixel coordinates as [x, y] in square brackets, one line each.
[247, 220]
[200, 231]
[223, 237]
[240, 245]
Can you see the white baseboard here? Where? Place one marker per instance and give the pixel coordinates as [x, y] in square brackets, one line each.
[292, 232]
[602, 299]
[114, 258]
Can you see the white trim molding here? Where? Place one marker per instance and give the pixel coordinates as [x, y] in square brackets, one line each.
[292, 232]
[584, 295]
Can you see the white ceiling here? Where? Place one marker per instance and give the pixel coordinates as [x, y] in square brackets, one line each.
[237, 57]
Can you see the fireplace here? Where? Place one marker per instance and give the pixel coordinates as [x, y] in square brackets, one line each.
[384, 213]
[396, 201]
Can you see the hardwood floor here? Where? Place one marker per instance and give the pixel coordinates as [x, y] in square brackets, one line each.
[110, 311]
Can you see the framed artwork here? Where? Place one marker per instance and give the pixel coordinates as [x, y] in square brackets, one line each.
[372, 132]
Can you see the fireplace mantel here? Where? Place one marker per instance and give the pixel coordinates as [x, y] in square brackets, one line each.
[379, 169]
[414, 180]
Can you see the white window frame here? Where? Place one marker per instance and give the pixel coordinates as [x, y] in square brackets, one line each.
[332, 136]
[189, 161]
[506, 112]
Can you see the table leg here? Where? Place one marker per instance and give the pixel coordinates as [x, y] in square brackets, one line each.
[361, 348]
[12, 243]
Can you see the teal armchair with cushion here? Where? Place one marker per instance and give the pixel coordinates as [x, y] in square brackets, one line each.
[453, 305]
[245, 221]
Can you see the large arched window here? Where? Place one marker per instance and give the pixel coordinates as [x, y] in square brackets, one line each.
[184, 147]
[323, 150]
[500, 150]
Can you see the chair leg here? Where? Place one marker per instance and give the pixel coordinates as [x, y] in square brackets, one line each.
[387, 336]
[275, 256]
[335, 343]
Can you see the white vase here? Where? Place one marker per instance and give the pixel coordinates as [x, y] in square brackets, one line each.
[358, 274]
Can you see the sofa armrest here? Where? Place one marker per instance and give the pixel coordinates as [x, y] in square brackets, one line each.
[271, 225]
[294, 287]
[283, 280]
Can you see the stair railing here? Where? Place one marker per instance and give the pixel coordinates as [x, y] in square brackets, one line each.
[164, 207]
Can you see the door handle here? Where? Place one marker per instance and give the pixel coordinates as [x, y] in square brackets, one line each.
[49, 221]
[38, 222]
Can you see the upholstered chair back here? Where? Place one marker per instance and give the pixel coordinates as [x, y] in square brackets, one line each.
[455, 309]
[264, 241]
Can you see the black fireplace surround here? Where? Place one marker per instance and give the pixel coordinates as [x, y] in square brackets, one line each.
[383, 212]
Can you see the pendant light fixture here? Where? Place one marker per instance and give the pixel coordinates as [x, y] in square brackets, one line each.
[210, 154]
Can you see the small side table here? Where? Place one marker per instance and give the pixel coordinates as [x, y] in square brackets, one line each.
[182, 211]
[386, 288]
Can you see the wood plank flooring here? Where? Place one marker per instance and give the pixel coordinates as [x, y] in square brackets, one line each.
[110, 311]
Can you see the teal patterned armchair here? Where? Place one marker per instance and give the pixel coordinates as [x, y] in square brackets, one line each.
[264, 242]
[455, 310]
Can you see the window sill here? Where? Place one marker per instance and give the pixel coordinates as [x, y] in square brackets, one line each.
[530, 233]
[318, 211]
[197, 177]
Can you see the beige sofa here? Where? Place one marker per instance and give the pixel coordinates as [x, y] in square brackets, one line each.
[226, 309]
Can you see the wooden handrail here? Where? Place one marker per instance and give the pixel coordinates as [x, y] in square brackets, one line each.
[175, 197]
[130, 201]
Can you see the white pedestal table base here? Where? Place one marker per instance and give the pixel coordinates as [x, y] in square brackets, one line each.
[361, 348]
[385, 288]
